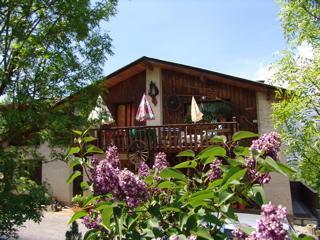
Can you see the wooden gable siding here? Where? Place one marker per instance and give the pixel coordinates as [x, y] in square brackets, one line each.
[243, 100]
[128, 91]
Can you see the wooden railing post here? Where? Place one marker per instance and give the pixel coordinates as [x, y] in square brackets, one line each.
[235, 124]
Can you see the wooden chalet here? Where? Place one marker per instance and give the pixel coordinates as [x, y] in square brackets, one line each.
[228, 103]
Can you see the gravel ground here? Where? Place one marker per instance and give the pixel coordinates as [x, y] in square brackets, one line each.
[52, 227]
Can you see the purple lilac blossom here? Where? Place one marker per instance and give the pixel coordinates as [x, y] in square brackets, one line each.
[270, 226]
[160, 162]
[143, 170]
[253, 175]
[94, 160]
[268, 143]
[250, 162]
[215, 171]
[112, 156]
[134, 189]
[106, 178]
[90, 222]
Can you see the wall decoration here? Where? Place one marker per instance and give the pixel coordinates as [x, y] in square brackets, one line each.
[153, 92]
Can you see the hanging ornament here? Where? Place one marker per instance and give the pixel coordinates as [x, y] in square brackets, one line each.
[153, 92]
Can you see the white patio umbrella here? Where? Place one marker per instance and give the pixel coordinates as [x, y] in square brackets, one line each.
[196, 114]
[100, 113]
[144, 111]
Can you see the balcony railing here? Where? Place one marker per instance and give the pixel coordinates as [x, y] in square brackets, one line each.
[167, 138]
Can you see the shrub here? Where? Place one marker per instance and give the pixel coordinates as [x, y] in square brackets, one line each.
[191, 200]
[21, 198]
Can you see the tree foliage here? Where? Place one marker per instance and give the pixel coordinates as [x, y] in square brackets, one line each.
[48, 50]
[21, 198]
[298, 111]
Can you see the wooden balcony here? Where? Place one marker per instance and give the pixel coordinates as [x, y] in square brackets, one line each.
[171, 138]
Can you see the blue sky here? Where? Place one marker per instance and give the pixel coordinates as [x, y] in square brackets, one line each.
[230, 36]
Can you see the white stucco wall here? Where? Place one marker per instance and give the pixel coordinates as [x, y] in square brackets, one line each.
[55, 175]
[278, 190]
[154, 75]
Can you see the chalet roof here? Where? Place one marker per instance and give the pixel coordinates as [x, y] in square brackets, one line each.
[144, 63]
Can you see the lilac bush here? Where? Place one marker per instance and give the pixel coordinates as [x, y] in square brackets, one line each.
[176, 202]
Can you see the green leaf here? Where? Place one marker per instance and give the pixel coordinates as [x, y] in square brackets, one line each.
[243, 135]
[91, 235]
[171, 209]
[186, 164]
[197, 203]
[172, 173]
[89, 139]
[212, 151]
[286, 169]
[209, 160]
[215, 183]
[219, 139]
[238, 161]
[155, 211]
[93, 149]
[90, 200]
[149, 180]
[237, 175]
[106, 216]
[191, 222]
[77, 215]
[84, 185]
[211, 218]
[202, 196]
[73, 150]
[77, 132]
[203, 233]
[307, 238]
[274, 165]
[224, 196]
[167, 185]
[233, 174]
[241, 151]
[259, 195]
[73, 176]
[247, 230]
[74, 162]
[186, 153]
[103, 205]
